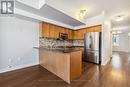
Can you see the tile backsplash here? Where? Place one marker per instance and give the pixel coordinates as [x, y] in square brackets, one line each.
[78, 42]
[46, 42]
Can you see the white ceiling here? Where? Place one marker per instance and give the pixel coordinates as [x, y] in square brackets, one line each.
[72, 8]
[50, 13]
[124, 22]
[33, 3]
[94, 7]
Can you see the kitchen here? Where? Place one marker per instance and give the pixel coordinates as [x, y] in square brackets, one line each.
[59, 43]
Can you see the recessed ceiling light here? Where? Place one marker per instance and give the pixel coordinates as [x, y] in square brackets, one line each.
[119, 18]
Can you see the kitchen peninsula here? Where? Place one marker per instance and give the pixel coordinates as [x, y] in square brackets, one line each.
[62, 49]
[66, 63]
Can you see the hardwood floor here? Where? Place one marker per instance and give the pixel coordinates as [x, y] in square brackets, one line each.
[114, 74]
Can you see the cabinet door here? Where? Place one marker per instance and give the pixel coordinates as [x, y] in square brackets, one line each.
[81, 33]
[90, 29]
[66, 30]
[70, 34]
[78, 34]
[52, 31]
[57, 31]
[94, 29]
[62, 30]
[75, 34]
[98, 28]
[45, 30]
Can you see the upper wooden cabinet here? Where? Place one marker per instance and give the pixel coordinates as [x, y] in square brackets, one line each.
[79, 34]
[70, 34]
[97, 28]
[57, 31]
[52, 31]
[44, 30]
[90, 29]
[75, 34]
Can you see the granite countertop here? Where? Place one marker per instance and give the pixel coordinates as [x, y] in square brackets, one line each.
[63, 50]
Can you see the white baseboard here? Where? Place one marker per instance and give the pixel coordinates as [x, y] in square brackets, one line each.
[104, 63]
[17, 67]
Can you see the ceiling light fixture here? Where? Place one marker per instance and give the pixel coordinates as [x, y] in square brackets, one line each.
[82, 14]
[119, 18]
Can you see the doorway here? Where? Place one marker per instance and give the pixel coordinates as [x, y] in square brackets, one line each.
[121, 41]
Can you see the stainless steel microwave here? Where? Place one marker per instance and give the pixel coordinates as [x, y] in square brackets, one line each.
[63, 36]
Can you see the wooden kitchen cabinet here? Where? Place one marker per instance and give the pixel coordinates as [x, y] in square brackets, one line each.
[57, 31]
[81, 33]
[90, 29]
[62, 30]
[78, 34]
[50, 31]
[66, 31]
[53, 32]
[75, 34]
[98, 28]
[70, 34]
[45, 30]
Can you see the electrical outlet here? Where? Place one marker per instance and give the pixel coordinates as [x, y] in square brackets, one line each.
[10, 63]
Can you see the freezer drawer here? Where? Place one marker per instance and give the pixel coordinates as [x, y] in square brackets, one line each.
[92, 57]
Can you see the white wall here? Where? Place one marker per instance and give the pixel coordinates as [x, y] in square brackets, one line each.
[17, 39]
[123, 43]
[106, 40]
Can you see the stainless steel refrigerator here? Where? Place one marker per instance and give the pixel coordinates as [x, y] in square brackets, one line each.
[92, 48]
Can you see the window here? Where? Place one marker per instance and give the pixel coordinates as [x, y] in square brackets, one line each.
[115, 40]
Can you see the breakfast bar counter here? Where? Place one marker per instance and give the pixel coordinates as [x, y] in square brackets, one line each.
[65, 63]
